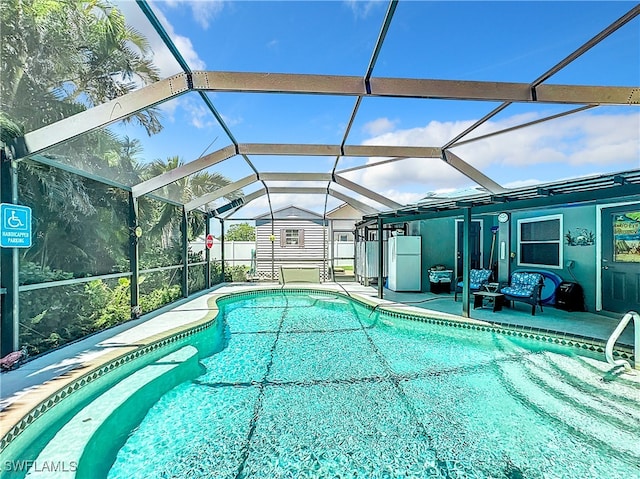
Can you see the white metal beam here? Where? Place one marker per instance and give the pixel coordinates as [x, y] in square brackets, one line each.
[295, 176]
[470, 172]
[247, 199]
[406, 87]
[182, 171]
[297, 190]
[584, 95]
[104, 114]
[372, 195]
[332, 150]
[277, 83]
[131, 103]
[221, 192]
[393, 151]
[360, 206]
[287, 149]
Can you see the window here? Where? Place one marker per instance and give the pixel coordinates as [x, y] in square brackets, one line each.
[343, 237]
[291, 238]
[540, 241]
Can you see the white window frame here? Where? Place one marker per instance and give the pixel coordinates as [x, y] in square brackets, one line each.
[559, 241]
[291, 237]
[299, 238]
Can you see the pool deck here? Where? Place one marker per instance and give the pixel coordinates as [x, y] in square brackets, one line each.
[24, 388]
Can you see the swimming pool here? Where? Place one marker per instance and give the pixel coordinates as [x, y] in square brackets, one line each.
[315, 385]
[318, 386]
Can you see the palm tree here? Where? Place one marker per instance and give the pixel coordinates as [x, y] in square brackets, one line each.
[182, 191]
[62, 57]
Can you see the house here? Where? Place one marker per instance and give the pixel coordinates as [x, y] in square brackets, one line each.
[342, 222]
[292, 236]
[581, 232]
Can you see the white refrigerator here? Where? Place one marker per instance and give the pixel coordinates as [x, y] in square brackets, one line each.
[405, 263]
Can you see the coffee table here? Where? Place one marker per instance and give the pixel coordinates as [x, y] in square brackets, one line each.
[496, 298]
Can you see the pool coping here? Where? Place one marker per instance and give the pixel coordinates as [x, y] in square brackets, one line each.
[24, 411]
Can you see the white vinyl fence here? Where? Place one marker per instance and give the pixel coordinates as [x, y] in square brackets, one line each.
[238, 253]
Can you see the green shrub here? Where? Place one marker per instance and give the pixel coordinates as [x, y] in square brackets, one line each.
[111, 306]
[159, 297]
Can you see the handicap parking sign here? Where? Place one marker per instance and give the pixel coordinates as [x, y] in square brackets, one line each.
[15, 226]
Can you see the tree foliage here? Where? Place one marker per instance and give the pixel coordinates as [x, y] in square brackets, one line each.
[58, 58]
[61, 57]
[240, 232]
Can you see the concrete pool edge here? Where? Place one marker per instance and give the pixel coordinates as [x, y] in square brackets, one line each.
[24, 412]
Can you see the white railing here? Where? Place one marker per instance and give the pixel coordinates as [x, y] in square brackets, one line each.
[608, 350]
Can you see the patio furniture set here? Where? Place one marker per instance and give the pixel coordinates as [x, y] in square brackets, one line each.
[524, 286]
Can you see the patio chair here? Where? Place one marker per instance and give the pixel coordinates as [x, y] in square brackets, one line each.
[525, 287]
[477, 279]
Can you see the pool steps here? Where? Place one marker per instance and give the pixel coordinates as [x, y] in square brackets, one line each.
[531, 383]
[101, 421]
[611, 398]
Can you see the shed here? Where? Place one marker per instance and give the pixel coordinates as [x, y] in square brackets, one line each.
[293, 236]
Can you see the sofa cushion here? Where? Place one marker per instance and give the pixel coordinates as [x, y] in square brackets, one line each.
[522, 284]
[479, 276]
[471, 285]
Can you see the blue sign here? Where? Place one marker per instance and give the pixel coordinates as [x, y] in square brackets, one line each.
[15, 226]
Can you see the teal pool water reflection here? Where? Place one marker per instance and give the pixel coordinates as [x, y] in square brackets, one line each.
[316, 386]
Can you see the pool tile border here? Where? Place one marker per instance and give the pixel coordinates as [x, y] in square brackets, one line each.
[425, 316]
[107, 364]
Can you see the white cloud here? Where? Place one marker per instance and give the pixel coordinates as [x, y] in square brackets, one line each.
[162, 57]
[168, 108]
[566, 147]
[182, 43]
[197, 114]
[203, 11]
[402, 197]
[231, 121]
[361, 8]
[260, 205]
[200, 116]
[379, 126]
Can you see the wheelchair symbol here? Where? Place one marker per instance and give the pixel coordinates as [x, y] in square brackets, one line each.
[13, 221]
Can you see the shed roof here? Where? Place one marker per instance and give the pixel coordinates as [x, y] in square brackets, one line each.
[289, 212]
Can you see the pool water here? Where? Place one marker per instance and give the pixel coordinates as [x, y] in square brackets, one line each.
[314, 386]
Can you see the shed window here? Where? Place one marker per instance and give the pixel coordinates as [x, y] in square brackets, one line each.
[290, 237]
[540, 241]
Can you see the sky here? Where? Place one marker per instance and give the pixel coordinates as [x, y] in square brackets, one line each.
[451, 40]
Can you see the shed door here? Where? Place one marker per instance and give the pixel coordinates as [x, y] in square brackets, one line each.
[621, 258]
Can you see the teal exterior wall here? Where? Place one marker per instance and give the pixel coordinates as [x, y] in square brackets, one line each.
[574, 220]
[439, 243]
